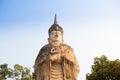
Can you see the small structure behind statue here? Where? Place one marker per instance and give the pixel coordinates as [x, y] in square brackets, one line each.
[56, 60]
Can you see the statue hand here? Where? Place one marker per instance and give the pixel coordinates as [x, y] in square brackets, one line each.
[55, 57]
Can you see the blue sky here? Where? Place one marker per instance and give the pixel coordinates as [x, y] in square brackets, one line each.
[92, 28]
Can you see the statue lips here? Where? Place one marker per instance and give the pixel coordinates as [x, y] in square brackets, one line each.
[55, 40]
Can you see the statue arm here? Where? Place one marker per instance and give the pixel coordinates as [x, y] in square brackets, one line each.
[70, 57]
[43, 57]
[76, 67]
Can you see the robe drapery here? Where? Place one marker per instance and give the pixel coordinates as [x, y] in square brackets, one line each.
[65, 68]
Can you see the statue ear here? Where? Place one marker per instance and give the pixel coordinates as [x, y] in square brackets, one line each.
[49, 40]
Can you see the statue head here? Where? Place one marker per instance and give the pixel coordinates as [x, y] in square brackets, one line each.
[55, 34]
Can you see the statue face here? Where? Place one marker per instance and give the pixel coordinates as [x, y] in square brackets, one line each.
[56, 37]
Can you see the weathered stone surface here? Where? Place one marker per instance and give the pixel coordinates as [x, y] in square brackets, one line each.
[56, 60]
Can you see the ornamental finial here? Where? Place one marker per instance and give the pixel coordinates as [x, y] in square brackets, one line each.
[55, 20]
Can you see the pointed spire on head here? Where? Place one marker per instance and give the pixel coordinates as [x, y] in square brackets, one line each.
[55, 20]
[55, 27]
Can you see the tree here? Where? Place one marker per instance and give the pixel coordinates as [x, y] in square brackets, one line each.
[104, 69]
[17, 73]
[4, 71]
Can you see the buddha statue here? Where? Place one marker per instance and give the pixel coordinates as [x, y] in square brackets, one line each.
[56, 60]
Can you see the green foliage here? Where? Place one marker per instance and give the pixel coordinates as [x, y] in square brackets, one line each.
[4, 71]
[104, 69]
[17, 73]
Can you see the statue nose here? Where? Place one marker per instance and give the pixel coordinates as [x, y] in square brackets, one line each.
[56, 35]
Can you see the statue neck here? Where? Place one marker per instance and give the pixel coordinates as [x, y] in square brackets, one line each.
[55, 44]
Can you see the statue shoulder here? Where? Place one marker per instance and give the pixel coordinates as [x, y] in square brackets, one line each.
[67, 46]
[45, 47]
[43, 50]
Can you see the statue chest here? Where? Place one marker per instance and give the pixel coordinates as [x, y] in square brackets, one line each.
[56, 72]
[57, 50]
